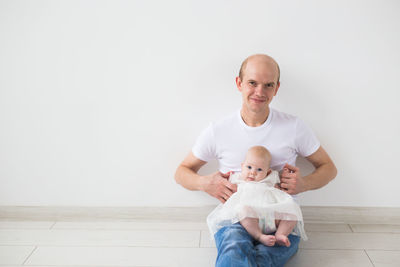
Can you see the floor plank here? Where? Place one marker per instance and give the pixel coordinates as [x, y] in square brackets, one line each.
[329, 258]
[26, 225]
[144, 238]
[327, 227]
[151, 242]
[206, 240]
[375, 228]
[382, 258]
[133, 225]
[375, 241]
[14, 254]
[122, 256]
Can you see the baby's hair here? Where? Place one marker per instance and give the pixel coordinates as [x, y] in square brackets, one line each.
[260, 151]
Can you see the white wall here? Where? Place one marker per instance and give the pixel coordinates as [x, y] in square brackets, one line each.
[101, 100]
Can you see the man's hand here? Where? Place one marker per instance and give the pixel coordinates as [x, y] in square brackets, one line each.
[218, 186]
[291, 180]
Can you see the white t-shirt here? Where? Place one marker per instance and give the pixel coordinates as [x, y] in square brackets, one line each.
[227, 140]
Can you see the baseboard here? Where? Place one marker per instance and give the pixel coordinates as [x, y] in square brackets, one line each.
[370, 215]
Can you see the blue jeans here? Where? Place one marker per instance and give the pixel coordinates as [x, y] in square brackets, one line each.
[237, 248]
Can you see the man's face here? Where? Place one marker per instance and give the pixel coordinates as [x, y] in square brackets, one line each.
[254, 168]
[258, 85]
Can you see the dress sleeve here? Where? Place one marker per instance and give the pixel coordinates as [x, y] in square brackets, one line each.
[272, 179]
[205, 145]
[306, 142]
[235, 178]
[275, 179]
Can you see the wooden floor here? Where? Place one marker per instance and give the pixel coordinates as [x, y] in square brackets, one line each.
[179, 242]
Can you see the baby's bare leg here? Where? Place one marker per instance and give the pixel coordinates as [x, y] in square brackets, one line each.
[252, 227]
[284, 229]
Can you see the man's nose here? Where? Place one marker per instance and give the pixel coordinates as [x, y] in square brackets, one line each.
[259, 90]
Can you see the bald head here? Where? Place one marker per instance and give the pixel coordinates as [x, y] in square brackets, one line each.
[262, 59]
[260, 152]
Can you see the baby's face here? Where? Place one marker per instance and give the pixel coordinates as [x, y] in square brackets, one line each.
[254, 168]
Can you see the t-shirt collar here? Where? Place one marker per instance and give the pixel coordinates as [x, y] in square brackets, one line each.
[264, 125]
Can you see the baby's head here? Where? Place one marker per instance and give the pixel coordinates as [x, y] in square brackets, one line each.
[256, 165]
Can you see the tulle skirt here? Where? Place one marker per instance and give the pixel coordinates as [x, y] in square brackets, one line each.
[257, 200]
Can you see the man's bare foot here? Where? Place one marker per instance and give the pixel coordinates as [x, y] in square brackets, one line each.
[268, 240]
[282, 240]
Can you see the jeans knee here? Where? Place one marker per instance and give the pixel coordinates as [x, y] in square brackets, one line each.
[236, 253]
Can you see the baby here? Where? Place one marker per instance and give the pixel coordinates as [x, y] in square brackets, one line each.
[256, 168]
[260, 208]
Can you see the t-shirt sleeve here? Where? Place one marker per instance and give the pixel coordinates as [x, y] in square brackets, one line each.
[205, 146]
[306, 142]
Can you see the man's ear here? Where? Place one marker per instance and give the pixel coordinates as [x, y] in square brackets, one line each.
[239, 83]
[277, 87]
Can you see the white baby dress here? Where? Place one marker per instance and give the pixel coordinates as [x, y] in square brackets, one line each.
[257, 200]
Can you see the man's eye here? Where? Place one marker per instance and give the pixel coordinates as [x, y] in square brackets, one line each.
[252, 83]
[249, 167]
[270, 85]
[259, 169]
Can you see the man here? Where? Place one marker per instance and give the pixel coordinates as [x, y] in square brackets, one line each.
[227, 140]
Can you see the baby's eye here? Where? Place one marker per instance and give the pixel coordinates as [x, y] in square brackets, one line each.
[249, 167]
[259, 169]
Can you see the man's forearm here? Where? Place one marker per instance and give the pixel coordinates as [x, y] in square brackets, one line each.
[320, 177]
[188, 178]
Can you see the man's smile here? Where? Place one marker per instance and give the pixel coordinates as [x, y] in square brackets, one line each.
[257, 100]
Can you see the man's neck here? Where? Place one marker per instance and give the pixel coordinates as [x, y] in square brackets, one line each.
[253, 119]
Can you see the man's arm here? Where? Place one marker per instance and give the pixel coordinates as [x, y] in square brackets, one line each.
[293, 183]
[215, 184]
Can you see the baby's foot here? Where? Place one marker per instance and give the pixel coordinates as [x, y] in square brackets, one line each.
[268, 240]
[282, 240]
